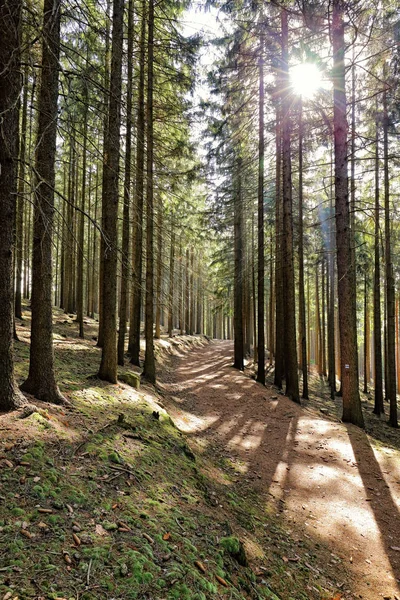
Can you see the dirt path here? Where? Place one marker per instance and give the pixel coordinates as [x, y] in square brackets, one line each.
[325, 479]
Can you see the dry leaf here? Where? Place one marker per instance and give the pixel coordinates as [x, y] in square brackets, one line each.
[76, 539]
[200, 566]
[26, 533]
[221, 581]
[166, 536]
[8, 463]
[285, 559]
[67, 559]
[46, 511]
[148, 538]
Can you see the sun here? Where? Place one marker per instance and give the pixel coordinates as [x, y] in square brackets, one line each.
[305, 79]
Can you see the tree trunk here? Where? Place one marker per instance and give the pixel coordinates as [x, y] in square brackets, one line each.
[171, 279]
[366, 335]
[279, 321]
[331, 297]
[10, 43]
[289, 304]
[346, 269]
[149, 369]
[123, 305]
[81, 235]
[159, 269]
[21, 201]
[41, 380]
[260, 228]
[108, 365]
[238, 342]
[390, 290]
[106, 100]
[137, 254]
[302, 303]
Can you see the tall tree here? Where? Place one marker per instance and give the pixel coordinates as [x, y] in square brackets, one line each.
[10, 42]
[292, 380]
[41, 381]
[346, 269]
[302, 302]
[378, 383]
[260, 211]
[134, 329]
[238, 362]
[108, 365]
[149, 368]
[123, 308]
[390, 380]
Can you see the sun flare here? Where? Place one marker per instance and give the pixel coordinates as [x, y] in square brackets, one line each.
[306, 79]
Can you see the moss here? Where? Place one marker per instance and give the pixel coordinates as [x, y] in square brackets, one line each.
[38, 491]
[114, 457]
[230, 544]
[233, 546]
[17, 512]
[131, 379]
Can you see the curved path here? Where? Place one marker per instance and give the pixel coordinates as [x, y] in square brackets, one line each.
[336, 486]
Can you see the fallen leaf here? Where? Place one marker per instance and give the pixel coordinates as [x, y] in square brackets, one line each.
[166, 536]
[76, 539]
[285, 559]
[221, 581]
[148, 538]
[26, 533]
[200, 566]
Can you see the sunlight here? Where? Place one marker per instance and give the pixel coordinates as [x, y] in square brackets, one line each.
[306, 79]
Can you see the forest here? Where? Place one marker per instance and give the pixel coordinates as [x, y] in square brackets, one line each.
[199, 299]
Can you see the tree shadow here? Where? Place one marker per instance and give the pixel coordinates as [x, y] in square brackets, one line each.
[379, 496]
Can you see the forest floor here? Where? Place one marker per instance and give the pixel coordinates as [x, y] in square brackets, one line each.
[94, 505]
[326, 481]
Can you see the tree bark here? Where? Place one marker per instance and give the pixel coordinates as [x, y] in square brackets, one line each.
[123, 304]
[346, 269]
[378, 382]
[41, 380]
[137, 254]
[10, 43]
[238, 342]
[302, 302]
[390, 382]
[171, 279]
[260, 223]
[110, 193]
[149, 369]
[289, 304]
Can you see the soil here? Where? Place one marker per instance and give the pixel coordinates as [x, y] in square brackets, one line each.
[326, 480]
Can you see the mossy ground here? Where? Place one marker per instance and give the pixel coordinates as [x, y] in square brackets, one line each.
[92, 507]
